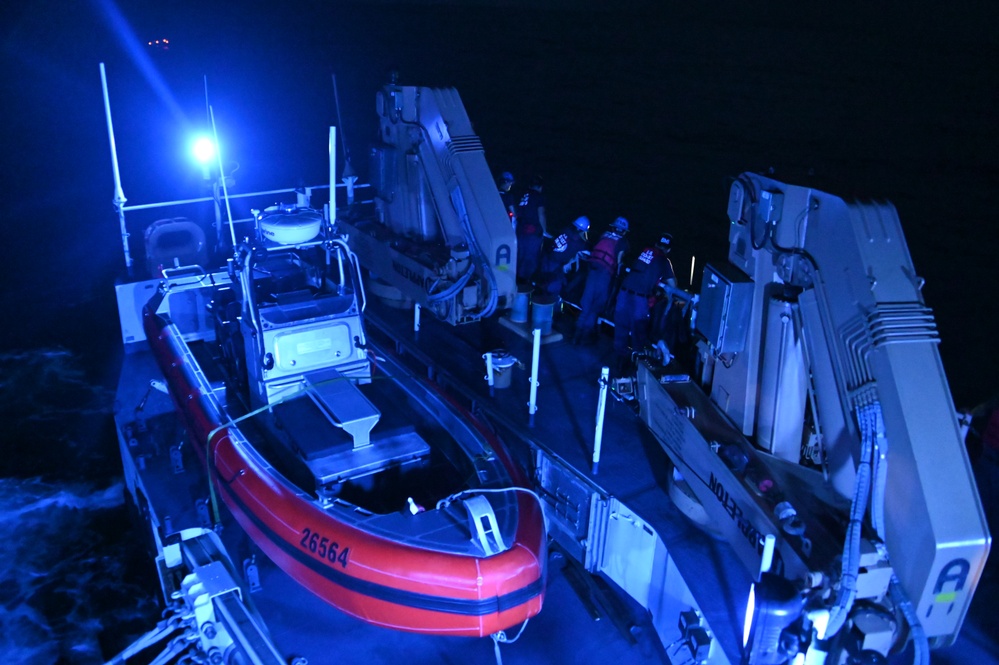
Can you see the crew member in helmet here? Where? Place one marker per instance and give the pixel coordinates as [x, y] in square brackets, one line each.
[531, 231]
[505, 186]
[562, 256]
[604, 264]
[650, 268]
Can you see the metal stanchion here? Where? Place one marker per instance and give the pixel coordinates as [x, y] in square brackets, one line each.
[767, 560]
[489, 373]
[532, 406]
[598, 435]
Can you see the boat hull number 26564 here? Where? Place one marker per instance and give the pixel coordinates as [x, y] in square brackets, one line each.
[323, 547]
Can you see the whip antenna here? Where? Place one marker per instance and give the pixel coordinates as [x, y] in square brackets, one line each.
[347, 170]
[225, 188]
[119, 195]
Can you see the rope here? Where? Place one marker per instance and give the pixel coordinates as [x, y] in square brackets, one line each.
[163, 630]
[500, 490]
[500, 636]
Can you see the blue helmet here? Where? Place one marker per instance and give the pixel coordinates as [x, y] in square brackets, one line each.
[621, 224]
[582, 223]
[506, 176]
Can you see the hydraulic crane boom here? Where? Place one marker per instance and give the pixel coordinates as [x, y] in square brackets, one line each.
[440, 236]
[826, 425]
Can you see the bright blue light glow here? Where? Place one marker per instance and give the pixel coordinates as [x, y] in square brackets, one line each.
[774, 605]
[204, 150]
[750, 612]
[140, 57]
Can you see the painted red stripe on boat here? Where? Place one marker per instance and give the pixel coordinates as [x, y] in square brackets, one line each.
[481, 607]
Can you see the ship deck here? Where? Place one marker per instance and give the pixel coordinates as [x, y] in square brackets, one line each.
[633, 466]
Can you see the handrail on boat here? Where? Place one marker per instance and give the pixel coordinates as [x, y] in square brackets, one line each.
[209, 199]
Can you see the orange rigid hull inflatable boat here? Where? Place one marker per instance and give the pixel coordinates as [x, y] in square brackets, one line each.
[366, 486]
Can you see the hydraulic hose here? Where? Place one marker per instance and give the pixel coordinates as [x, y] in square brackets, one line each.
[452, 290]
[473, 245]
[867, 417]
[880, 478]
[898, 596]
[478, 259]
[919, 640]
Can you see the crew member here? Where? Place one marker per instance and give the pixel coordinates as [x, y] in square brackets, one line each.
[505, 185]
[604, 263]
[562, 256]
[531, 231]
[631, 312]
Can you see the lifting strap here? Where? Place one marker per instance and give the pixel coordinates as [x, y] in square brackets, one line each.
[485, 529]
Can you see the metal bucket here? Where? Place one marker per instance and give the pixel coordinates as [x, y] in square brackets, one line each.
[542, 310]
[521, 303]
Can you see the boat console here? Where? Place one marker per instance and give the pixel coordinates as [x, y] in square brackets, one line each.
[292, 308]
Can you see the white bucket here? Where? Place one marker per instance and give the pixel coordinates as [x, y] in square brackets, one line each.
[503, 364]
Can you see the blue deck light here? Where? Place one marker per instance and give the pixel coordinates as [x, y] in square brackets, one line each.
[774, 606]
[204, 150]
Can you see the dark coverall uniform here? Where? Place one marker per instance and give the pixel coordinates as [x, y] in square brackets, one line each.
[566, 246]
[631, 312]
[530, 234]
[602, 271]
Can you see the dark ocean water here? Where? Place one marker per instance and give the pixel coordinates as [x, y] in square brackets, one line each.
[644, 111]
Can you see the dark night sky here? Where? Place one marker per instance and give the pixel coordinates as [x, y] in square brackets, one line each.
[644, 110]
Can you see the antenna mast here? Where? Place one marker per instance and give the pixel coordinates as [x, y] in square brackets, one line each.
[347, 170]
[225, 188]
[119, 195]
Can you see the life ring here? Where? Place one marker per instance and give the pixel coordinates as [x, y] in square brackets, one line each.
[289, 224]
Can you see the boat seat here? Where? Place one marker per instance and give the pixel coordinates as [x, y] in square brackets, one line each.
[402, 447]
[331, 416]
[353, 447]
[343, 404]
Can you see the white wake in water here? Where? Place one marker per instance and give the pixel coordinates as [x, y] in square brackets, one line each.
[74, 578]
[52, 567]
